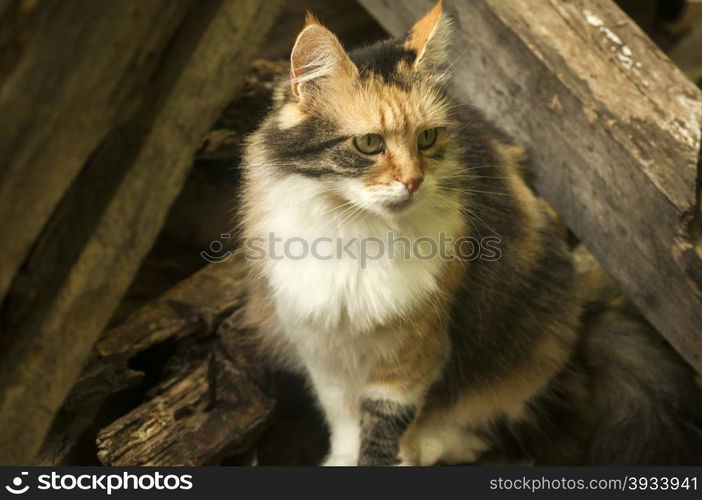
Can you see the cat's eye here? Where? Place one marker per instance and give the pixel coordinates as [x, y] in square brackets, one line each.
[370, 144]
[427, 138]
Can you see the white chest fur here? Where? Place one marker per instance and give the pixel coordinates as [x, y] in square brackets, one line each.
[341, 269]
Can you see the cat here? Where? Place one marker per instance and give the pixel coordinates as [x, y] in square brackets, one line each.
[438, 358]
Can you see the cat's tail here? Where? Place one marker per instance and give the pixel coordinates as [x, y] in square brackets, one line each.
[645, 401]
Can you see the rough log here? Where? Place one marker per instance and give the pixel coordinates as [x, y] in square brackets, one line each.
[183, 62]
[190, 312]
[217, 410]
[612, 127]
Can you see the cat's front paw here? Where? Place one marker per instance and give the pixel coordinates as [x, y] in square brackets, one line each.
[340, 461]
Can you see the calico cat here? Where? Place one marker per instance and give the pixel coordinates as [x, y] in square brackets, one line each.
[436, 358]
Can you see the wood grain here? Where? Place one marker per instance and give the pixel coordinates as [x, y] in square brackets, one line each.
[217, 410]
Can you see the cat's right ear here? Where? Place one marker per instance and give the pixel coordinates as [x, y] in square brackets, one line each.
[317, 56]
[430, 39]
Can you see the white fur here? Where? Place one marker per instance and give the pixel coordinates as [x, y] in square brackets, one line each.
[448, 443]
[332, 310]
[339, 294]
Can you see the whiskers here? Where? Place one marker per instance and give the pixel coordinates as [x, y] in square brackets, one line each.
[457, 59]
[476, 222]
[462, 180]
[345, 213]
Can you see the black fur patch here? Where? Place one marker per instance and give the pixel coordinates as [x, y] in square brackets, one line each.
[382, 59]
[354, 162]
[315, 149]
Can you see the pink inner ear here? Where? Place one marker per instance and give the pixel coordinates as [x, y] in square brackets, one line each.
[423, 30]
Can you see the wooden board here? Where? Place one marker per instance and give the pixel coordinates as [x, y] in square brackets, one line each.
[69, 73]
[612, 127]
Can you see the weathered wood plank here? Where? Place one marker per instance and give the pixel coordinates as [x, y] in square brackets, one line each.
[69, 72]
[91, 247]
[612, 127]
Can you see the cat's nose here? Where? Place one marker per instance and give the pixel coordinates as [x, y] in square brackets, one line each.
[412, 183]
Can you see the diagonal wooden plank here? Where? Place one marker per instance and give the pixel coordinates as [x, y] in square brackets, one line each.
[69, 72]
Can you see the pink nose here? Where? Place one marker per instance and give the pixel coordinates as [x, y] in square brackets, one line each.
[413, 183]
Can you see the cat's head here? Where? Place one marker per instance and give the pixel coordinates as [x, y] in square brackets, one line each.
[370, 126]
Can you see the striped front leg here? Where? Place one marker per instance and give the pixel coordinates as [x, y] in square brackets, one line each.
[383, 422]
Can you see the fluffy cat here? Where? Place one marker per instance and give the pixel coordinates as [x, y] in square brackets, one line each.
[438, 359]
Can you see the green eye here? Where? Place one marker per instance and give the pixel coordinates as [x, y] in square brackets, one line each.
[427, 138]
[369, 144]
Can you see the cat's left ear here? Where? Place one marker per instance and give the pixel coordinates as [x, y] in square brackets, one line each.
[430, 38]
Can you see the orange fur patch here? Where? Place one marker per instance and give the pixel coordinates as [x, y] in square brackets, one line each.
[311, 19]
[421, 357]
